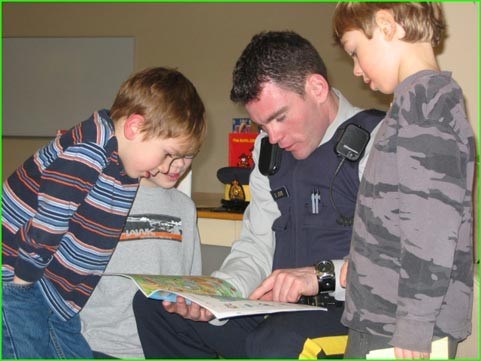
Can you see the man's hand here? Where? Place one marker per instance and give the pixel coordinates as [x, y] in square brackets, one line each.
[191, 311]
[343, 274]
[287, 285]
[410, 354]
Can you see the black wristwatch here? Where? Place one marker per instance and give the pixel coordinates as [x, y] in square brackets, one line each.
[326, 277]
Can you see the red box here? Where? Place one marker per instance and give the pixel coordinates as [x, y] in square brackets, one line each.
[240, 149]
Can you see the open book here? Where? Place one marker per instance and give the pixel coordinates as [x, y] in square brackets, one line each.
[214, 294]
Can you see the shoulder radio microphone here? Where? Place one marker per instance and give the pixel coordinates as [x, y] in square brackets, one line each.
[270, 157]
[351, 146]
[352, 142]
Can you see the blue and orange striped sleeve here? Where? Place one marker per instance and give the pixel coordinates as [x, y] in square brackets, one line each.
[65, 183]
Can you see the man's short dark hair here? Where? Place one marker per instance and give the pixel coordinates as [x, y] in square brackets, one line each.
[283, 57]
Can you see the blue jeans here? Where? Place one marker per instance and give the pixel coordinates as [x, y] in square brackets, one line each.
[32, 330]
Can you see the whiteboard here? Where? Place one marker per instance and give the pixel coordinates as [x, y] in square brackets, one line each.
[55, 83]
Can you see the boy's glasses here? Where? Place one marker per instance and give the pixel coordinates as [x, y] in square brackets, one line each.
[174, 157]
[171, 158]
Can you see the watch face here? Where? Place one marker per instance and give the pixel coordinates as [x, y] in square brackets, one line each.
[326, 276]
[325, 267]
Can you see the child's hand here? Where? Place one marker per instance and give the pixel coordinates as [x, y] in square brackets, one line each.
[19, 281]
[191, 311]
[343, 274]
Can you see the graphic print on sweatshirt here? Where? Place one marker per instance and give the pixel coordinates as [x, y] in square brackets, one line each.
[152, 226]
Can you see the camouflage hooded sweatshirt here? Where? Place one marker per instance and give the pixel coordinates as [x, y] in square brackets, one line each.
[410, 274]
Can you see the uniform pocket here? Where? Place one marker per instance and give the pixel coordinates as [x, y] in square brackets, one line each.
[281, 224]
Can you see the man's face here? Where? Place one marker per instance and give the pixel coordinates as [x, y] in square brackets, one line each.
[296, 123]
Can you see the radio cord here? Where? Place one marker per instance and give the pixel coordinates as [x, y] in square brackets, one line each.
[342, 220]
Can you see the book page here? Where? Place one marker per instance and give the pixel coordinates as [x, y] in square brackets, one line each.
[227, 307]
[214, 294]
[204, 285]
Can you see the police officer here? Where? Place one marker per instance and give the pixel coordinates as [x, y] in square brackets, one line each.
[298, 219]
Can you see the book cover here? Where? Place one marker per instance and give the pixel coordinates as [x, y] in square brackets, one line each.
[241, 146]
[214, 294]
[243, 125]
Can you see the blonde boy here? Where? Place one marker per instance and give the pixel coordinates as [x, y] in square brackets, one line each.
[409, 278]
[65, 207]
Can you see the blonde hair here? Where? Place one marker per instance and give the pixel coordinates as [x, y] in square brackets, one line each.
[421, 21]
[169, 103]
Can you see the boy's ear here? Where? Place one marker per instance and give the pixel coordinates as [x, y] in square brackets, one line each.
[384, 20]
[317, 85]
[133, 126]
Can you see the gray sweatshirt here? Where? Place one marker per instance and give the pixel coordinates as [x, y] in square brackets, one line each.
[160, 237]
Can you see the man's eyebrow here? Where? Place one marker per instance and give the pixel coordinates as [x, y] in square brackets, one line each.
[276, 114]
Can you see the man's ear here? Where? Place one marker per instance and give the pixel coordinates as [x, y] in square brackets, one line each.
[384, 20]
[317, 85]
[133, 126]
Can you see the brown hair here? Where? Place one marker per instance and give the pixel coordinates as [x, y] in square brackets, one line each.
[283, 57]
[169, 103]
[421, 21]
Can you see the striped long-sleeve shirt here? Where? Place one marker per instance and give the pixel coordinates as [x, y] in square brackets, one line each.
[63, 211]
